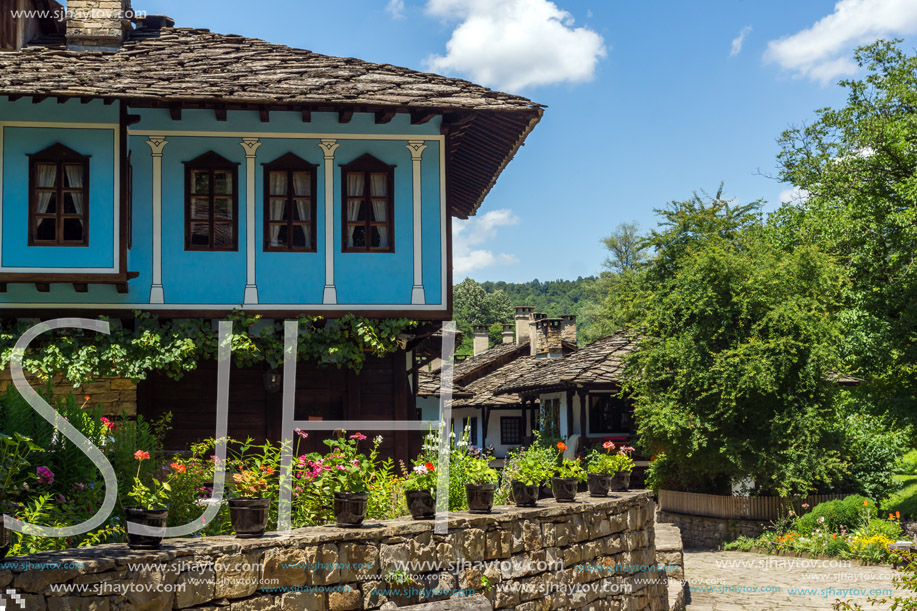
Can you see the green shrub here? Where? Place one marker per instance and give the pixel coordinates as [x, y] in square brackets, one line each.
[831, 516]
[879, 526]
[873, 448]
[907, 464]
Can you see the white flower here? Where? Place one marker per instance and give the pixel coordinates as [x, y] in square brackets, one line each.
[378, 439]
[420, 469]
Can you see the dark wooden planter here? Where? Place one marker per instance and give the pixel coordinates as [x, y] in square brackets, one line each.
[421, 504]
[350, 508]
[154, 518]
[249, 517]
[564, 489]
[599, 483]
[620, 481]
[6, 538]
[523, 495]
[480, 497]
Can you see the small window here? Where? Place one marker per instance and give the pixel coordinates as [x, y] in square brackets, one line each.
[550, 418]
[368, 206]
[511, 430]
[58, 198]
[211, 203]
[610, 414]
[289, 205]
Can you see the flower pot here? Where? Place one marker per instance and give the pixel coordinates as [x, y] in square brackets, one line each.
[564, 489]
[249, 516]
[621, 481]
[480, 497]
[599, 483]
[421, 504]
[524, 495]
[350, 508]
[6, 538]
[154, 518]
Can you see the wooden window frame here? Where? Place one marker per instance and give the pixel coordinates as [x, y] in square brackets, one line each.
[210, 162]
[59, 155]
[367, 164]
[289, 163]
[503, 432]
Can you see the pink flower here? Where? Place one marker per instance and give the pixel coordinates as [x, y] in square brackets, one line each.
[61, 499]
[301, 433]
[79, 486]
[44, 475]
[358, 436]
[141, 455]
[608, 445]
[341, 468]
[805, 505]
[108, 424]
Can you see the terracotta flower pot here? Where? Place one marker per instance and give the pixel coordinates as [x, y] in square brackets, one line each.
[249, 517]
[350, 508]
[564, 489]
[599, 483]
[480, 497]
[621, 481]
[153, 518]
[524, 495]
[6, 539]
[421, 504]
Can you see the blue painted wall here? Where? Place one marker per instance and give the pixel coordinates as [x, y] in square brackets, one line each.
[363, 280]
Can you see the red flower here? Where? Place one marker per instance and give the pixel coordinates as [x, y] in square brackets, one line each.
[561, 446]
[141, 455]
[429, 467]
[179, 467]
[608, 445]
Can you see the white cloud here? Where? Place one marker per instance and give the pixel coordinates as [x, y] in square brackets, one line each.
[822, 52]
[476, 231]
[514, 44]
[739, 40]
[395, 8]
[794, 195]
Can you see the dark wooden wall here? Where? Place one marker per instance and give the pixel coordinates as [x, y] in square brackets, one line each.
[379, 392]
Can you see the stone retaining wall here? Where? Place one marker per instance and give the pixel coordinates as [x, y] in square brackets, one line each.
[596, 554]
[113, 394]
[710, 533]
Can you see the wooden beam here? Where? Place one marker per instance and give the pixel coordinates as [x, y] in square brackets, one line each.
[265, 115]
[121, 287]
[43, 287]
[86, 100]
[2, 287]
[307, 116]
[344, 116]
[38, 99]
[175, 113]
[108, 101]
[132, 119]
[62, 99]
[419, 117]
[384, 116]
[80, 287]
[13, 97]
[220, 113]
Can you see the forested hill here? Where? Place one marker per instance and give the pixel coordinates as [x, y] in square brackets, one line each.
[553, 297]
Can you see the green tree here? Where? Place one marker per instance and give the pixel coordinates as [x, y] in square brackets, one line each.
[626, 249]
[731, 379]
[858, 166]
[472, 305]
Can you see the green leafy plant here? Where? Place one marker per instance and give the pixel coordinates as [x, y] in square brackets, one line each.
[14, 465]
[609, 462]
[347, 469]
[154, 496]
[422, 476]
[535, 464]
[479, 471]
[567, 468]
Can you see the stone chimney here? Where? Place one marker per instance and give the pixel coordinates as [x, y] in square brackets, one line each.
[481, 339]
[569, 328]
[533, 342]
[508, 336]
[523, 324]
[98, 25]
[547, 338]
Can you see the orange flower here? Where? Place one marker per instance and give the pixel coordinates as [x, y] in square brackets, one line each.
[865, 502]
[177, 466]
[267, 469]
[891, 516]
[86, 397]
[561, 446]
[898, 514]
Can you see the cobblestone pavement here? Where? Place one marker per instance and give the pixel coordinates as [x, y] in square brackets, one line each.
[730, 581]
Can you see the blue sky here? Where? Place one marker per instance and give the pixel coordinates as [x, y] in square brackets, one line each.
[647, 101]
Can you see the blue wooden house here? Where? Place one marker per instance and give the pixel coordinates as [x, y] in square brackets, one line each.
[149, 167]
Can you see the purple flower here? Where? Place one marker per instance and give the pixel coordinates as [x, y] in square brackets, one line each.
[44, 475]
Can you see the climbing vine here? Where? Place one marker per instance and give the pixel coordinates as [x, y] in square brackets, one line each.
[177, 345]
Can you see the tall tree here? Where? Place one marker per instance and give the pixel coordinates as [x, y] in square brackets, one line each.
[472, 305]
[858, 166]
[626, 250]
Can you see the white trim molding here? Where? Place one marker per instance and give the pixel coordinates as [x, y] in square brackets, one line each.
[157, 144]
[329, 146]
[250, 145]
[416, 147]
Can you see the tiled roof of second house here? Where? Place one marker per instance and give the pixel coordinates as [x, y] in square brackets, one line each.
[600, 362]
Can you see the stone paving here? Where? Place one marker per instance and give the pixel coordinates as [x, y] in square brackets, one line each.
[730, 581]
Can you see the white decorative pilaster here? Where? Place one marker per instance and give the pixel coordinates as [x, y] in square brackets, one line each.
[250, 145]
[157, 144]
[328, 146]
[416, 147]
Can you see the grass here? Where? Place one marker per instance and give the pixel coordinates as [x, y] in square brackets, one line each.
[905, 500]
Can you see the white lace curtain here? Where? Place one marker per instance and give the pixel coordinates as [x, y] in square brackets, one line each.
[302, 188]
[355, 183]
[75, 181]
[278, 187]
[45, 179]
[378, 188]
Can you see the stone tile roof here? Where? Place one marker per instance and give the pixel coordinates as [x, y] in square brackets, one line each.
[188, 67]
[428, 385]
[473, 366]
[483, 388]
[601, 362]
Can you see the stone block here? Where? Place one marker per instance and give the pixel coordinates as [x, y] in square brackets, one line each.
[303, 601]
[237, 575]
[349, 599]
